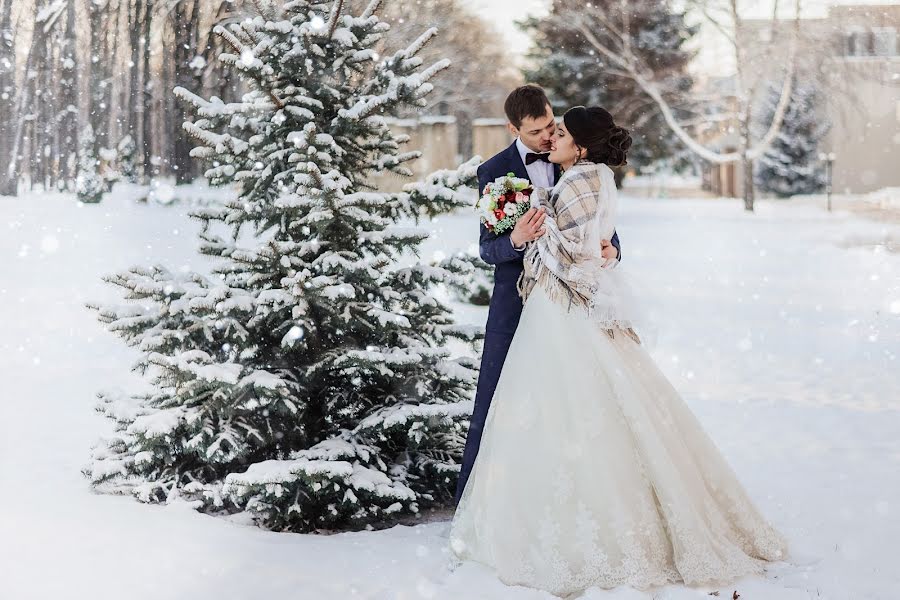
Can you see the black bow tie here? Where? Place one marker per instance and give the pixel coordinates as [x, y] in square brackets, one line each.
[533, 156]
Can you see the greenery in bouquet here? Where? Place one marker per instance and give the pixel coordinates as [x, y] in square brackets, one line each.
[503, 201]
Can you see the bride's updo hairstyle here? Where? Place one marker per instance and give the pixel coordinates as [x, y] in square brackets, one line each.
[593, 130]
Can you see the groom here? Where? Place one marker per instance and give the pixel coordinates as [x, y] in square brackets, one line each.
[531, 121]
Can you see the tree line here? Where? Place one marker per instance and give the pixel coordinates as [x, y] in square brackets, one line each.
[87, 83]
[112, 65]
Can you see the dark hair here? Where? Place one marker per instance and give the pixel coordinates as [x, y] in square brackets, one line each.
[528, 100]
[594, 130]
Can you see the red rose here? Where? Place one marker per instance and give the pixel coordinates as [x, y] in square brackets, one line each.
[499, 214]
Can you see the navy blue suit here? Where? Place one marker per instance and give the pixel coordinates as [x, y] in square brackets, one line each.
[505, 309]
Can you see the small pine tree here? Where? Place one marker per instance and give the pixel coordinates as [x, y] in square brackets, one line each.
[89, 184]
[307, 381]
[126, 168]
[791, 164]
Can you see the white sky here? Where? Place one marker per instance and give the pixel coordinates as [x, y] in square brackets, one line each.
[502, 14]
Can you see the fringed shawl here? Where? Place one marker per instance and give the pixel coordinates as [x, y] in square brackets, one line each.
[566, 261]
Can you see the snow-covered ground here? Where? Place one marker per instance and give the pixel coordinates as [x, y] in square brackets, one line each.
[781, 329]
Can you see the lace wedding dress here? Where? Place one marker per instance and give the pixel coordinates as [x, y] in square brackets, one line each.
[592, 471]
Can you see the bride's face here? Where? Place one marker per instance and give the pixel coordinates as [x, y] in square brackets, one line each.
[563, 150]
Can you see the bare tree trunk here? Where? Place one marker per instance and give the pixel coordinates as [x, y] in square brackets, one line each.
[102, 29]
[139, 16]
[159, 99]
[166, 100]
[67, 132]
[186, 22]
[40, 111]
[145, 93]
[745, 97]
[21, 145]
[49, 111]
[7, 98]
[119, 58]
[748, 185]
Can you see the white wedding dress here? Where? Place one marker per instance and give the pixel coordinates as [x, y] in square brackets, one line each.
[592, 471]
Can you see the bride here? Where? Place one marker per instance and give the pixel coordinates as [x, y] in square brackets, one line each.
[592, 470]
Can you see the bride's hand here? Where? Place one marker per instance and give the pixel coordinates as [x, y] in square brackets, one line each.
[607, 250]
[609, 253]
[529, 227]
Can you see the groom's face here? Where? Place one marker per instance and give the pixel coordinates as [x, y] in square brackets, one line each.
[537, 133]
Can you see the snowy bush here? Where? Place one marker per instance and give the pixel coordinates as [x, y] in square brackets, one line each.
[89, 184]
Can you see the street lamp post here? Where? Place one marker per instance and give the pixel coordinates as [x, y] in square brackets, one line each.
[828, 159]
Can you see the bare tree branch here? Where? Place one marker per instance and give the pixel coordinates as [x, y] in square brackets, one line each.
[627, 64]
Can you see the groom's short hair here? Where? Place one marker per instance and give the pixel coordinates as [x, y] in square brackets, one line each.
[528, 100]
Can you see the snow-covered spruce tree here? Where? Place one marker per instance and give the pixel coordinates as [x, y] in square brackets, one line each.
[450, 189]
[306, 381]
[89, 184]
[791, 164]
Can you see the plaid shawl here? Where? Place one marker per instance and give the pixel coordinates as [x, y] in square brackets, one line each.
[566, 261]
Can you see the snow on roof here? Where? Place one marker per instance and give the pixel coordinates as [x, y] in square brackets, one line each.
[488, 121]
[431, 119]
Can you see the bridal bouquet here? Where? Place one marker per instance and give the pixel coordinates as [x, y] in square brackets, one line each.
[504, 200]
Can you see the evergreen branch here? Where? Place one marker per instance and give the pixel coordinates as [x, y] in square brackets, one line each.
[370, 9]
[235, 45]
[336, 9]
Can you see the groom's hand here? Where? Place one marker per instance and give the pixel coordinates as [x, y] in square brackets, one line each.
[529, 227]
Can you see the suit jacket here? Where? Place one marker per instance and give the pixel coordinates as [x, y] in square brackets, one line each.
[497, 250]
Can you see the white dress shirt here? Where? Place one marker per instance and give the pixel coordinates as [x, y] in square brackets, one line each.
[539, 172]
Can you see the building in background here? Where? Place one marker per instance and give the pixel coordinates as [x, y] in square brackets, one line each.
[865, 136]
